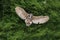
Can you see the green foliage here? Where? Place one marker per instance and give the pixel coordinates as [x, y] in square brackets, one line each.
[14, 28]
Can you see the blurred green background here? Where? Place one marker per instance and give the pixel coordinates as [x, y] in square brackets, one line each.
[14, 28]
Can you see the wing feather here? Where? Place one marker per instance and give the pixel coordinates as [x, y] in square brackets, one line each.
[40, 19]
[21, 12]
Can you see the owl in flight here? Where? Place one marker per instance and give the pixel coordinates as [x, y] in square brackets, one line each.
[30, 18]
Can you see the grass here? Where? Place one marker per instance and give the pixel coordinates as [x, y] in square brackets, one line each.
[14, 28]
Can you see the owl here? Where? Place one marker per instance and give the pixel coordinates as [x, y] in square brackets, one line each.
[30, 18]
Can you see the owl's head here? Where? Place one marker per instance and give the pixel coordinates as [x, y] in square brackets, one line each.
[28, 22]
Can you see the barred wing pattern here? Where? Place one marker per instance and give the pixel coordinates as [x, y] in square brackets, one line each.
[40, 19]
[21, 12]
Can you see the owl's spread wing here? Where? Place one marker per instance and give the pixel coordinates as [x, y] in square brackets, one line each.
[40, 19]
[21, 12]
